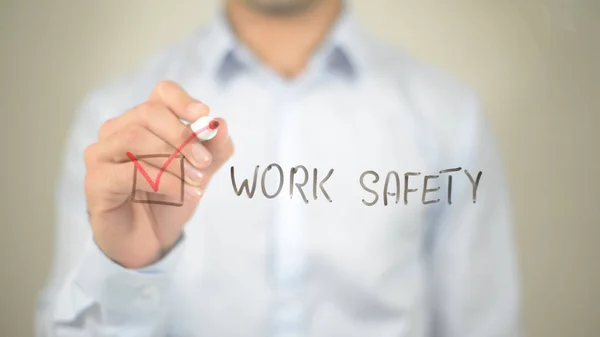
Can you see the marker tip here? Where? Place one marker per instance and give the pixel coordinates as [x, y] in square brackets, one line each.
[213, 125]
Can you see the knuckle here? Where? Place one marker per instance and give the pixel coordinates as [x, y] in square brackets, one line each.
[131, 135]
[105, 127]
[163, 85]
[148, 110]
[145, 109]
[90, 153]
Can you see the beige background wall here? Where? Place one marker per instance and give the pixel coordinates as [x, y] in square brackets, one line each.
[535, 63]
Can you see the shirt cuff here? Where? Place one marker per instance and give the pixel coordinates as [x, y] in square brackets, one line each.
[121, 290]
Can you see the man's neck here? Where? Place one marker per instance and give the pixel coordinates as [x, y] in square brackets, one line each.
[284, 43]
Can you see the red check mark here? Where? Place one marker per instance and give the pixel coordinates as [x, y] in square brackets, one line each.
[154, 183]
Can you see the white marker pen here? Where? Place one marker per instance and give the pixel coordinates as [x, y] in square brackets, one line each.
[205, 128]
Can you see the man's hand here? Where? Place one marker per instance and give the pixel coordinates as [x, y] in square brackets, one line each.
[136, 234]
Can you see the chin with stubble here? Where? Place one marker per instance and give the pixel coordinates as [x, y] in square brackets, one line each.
[281, 7]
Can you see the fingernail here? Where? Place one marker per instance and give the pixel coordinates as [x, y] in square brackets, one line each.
[193, 192]
[193, 174]
[197, 109]
[201, 155]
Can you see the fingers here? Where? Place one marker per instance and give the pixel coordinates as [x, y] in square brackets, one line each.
[135, 139]
[117, 179]
[148, 148]
[178, 101]
[166, 126]
[150, 134]
[153, 154]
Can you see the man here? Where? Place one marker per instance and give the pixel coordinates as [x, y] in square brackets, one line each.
[355, 249]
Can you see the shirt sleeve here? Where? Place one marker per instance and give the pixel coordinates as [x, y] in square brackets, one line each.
[88, 294]
[473, 262]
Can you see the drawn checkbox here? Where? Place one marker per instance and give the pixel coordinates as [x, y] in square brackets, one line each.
[171, 160]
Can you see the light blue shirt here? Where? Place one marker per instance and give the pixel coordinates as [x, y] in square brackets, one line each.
[286, 266]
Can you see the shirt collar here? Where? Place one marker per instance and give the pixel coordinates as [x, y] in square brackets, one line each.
[341, 52]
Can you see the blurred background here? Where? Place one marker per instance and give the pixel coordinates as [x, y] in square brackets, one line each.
[535, 64]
